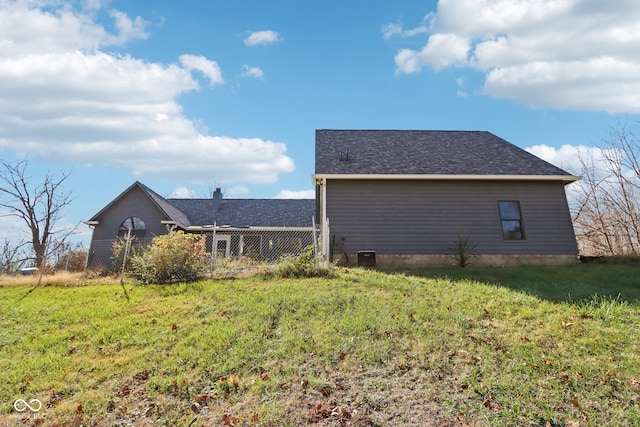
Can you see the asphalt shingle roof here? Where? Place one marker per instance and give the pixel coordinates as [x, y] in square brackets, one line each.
[231, 212]
[423, 152]
[248, 212]
[169, 209]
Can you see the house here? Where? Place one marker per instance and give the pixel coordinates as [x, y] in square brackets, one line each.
[263, 228]
[402, 198]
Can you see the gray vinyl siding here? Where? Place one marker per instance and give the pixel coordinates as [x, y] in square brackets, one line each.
[425, 217]
[133, 203]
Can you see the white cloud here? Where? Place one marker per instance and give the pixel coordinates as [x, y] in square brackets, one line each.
[11, 228]
[443, 50]
[296, 194]
[65, 99]
[47, 27]
[209, 68]
[252, 72]
[561, 54]
[568, 157]
[128, 29]
[236, 191]
[393, 29]
[183, 193]
[461, 81]
[263, 38]
[390, 30]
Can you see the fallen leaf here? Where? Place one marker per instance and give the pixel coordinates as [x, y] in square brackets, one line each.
[142, 376]
[124, 391]
[574, 402]
[234, 380]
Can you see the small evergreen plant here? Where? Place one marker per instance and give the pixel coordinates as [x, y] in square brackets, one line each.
[463, 251]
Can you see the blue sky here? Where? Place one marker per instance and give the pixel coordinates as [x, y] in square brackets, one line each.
[192, 95]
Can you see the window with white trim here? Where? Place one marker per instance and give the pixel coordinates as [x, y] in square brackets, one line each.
[135, 224]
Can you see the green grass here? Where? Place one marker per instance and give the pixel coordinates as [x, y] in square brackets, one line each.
[558, 283]
[488, 347]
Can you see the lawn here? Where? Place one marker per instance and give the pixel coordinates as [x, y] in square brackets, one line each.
[543, 346]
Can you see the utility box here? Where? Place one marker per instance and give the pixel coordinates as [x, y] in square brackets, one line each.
[367, 259]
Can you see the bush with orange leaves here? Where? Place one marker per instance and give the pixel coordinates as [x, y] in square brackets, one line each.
[173, 257]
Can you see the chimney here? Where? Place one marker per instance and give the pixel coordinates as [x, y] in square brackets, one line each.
[217, 198]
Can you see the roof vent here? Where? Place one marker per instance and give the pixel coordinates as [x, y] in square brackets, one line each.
[344, 156]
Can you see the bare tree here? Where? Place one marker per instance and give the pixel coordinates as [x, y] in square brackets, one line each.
[12, 256]
[607, 214]
[39, 206]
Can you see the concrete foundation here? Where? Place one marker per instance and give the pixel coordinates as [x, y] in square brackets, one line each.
[416, 261]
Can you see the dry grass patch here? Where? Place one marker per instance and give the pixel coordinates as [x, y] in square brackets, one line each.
[60, 279]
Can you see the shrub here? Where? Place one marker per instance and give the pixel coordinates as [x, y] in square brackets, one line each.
[73, 260]
[174, 257]
[303, 265]
[118, 249]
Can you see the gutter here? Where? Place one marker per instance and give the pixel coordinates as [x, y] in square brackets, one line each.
[317, 178]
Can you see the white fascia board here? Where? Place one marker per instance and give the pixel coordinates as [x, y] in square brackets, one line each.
[443, 177]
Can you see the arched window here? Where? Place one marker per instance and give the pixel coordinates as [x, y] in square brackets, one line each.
[135, 224]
